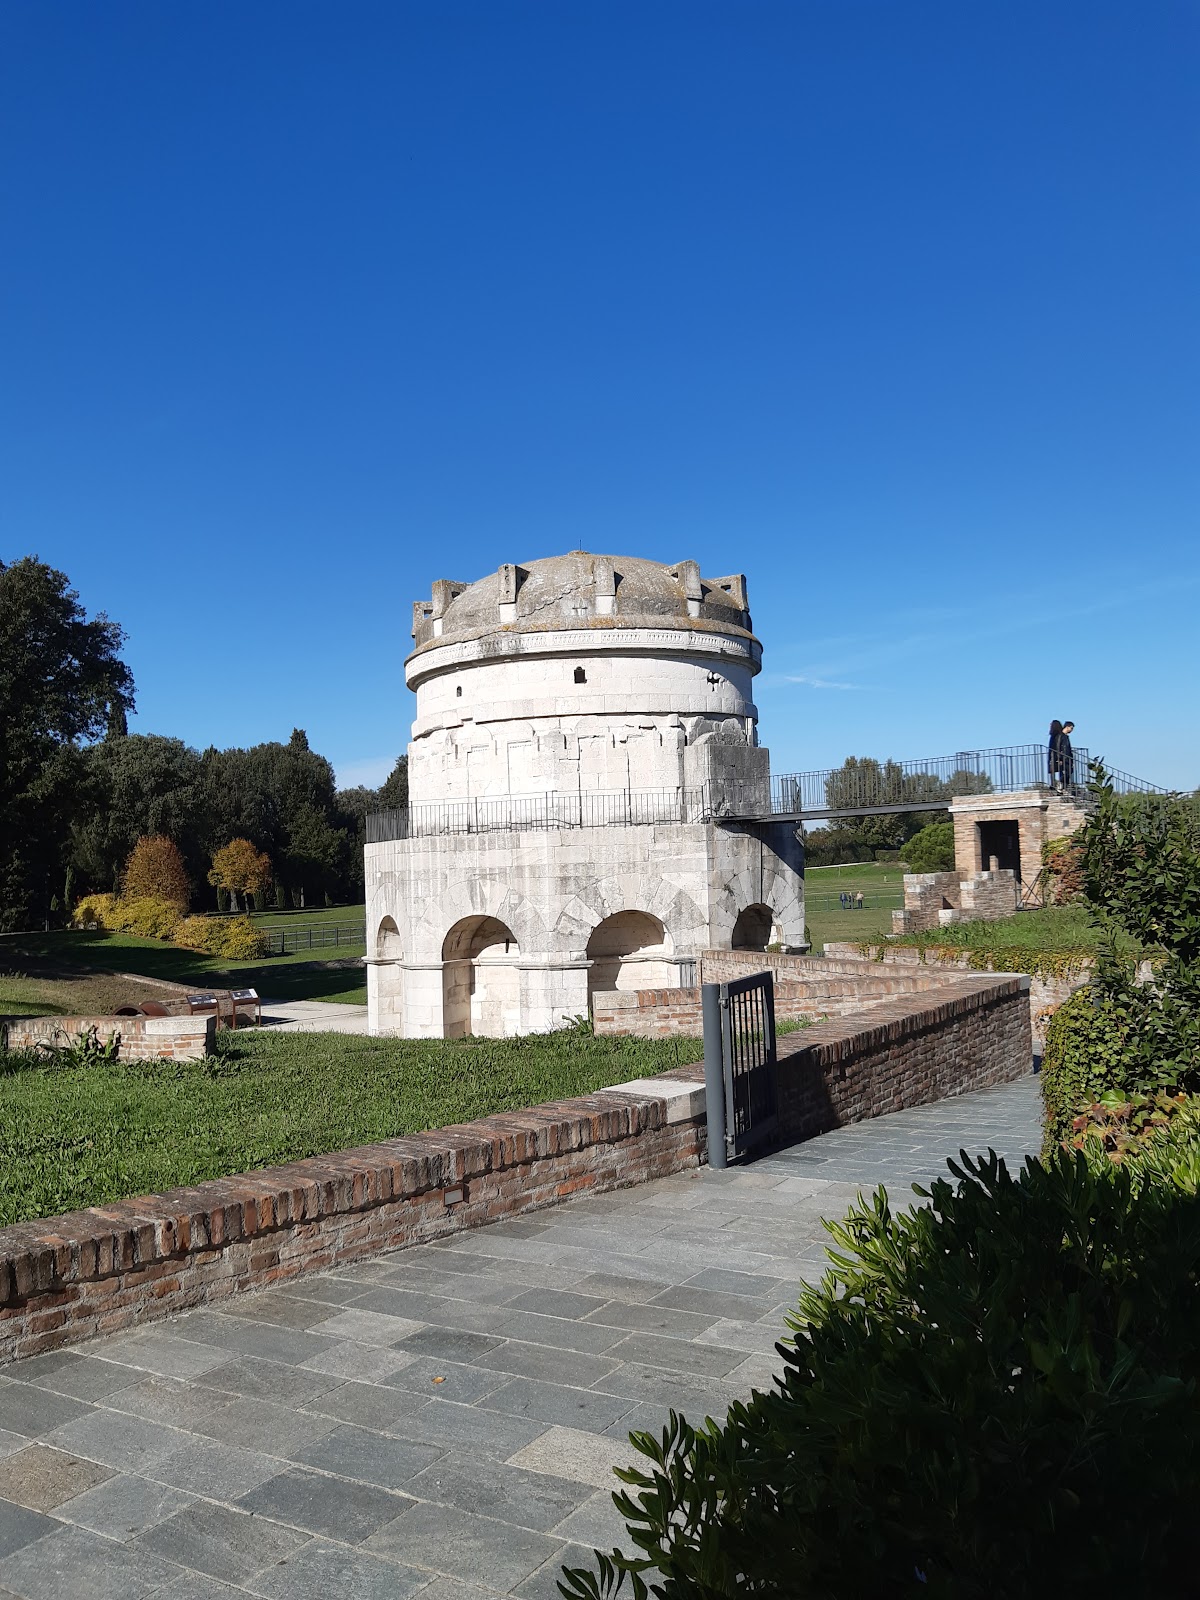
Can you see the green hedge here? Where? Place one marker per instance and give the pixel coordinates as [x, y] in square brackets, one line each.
[1086, 1057]
[994, 1395]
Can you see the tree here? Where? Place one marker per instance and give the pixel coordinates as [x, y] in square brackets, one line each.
[931, 849]
[62, 684]
[315, 851]
[395, 790]
[143, 784]
[155, 868]
[240, 869]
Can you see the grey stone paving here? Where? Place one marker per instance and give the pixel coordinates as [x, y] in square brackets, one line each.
[441, 1421]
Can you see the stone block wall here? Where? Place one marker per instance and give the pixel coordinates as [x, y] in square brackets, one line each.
[142, 1038]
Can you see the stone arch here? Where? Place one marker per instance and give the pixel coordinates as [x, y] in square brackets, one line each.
[388, 944]
[475, 897]
[630, 950]
[657, 897]
[752, 930]
[481, 994]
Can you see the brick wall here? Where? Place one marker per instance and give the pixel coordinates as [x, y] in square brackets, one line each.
[1045, 994]
[142, 1038]
[111, 1266]
[909, 1051]
[805, 987]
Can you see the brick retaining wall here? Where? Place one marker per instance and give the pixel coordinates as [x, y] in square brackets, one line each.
[1045, 994]
[142, 1038]
[805, 987]
[108, 1267]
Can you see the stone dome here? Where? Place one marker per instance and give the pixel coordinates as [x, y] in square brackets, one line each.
[585, 591]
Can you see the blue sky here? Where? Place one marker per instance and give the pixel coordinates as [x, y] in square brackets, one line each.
[892, 307]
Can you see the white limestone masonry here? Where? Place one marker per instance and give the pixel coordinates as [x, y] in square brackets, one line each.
[568, 677]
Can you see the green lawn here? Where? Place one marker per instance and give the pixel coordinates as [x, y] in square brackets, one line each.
[1052, 943]
[882, 888]
[77, 1136]
[63, 955]
[326, 915]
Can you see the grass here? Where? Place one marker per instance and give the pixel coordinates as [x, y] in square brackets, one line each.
[74, 1136]
[315, 914]
[1053, 943]
[881, 885]
[66, 956]
[1055, 928]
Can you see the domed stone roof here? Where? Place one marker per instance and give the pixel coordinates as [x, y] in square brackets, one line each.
[580, 590]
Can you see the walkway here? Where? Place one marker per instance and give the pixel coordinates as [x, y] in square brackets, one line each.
[441, 1421]
[313, 1016]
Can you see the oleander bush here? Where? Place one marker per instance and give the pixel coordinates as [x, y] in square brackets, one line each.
[992, 1395]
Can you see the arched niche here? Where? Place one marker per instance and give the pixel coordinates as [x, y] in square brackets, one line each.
[630, 950]
[752, 930]
[387, 941]
[481, 994]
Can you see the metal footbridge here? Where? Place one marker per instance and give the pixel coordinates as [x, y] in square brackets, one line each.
[859, 788]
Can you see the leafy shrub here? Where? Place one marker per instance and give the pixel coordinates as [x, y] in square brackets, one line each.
[234, 938]
[992, 1395]
[1086, 1056]
[94, 911]
[241, 940]
[147, 917]
[155, 870]
[1122, 1130]
[1063, 869]
[199, 933]
[932, 849]
[1139, 856]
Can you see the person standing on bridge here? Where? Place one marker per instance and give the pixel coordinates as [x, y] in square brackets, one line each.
[1068, 755]
[1054, 755]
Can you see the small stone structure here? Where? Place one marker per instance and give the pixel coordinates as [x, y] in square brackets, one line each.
[142, 1038]
[124, 1264]
[558, 703]
[998, 840]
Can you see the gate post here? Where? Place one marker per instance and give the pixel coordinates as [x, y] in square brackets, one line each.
[714, 1074]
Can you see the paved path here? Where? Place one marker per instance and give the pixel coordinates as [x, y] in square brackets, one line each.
[313, 1016]
[440, 1421]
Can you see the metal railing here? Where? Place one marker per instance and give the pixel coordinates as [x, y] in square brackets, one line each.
[739, 1065]
[858, 788]
[315, 936]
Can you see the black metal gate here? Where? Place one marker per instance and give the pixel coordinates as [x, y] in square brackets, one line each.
[739, 1065]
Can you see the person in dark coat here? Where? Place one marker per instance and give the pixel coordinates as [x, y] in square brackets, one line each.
[1054, 755]
[1067, 755]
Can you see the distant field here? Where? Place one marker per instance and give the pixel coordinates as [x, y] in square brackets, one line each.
[323, 914]
[881, 886]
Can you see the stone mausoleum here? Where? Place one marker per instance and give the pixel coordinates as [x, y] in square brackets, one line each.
[584, 772]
